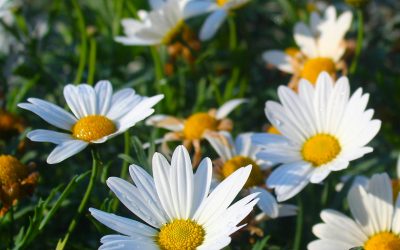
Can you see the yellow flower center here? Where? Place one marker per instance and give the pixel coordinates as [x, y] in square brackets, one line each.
[383, 241]
[172, 33]
[320, 149]
[273, 130]
[256, 175]
[222, 2]
[11, 170]
[292, 52]
[197, 124]
[180, 234]
[396, 189]
[313, 67]
[93, 127]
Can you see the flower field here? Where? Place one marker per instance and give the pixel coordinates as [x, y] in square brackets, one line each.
[200, 124]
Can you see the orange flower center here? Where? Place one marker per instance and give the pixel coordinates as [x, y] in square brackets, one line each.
[11, 170]
[383, 241]
[93, 127]
[313, 67]
[233, 164]
[197, 124]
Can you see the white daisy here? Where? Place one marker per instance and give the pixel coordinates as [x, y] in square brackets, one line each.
[239, 153]
[158, 26]
[322, 129]
[192, 130]
[321, 44]
[177, 206]
[98, 115]
[220, 10]
[376, 224]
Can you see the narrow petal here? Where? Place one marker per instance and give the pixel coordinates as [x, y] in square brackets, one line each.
[104, 92]
[228, 107]
[42, 135]
[267, 202]
[279, 59]
[66, 150]
[212, 24]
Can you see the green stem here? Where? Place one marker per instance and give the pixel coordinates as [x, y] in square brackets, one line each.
[299, 225]
[83, 48]
[232, 33]
[116, 22]
[92, 60]
[360, 38]
[157, 65]
[82, 205]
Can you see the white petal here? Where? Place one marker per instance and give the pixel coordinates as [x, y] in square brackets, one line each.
[123, 225]
[328, 245]
[305, 40]
[279, 59]
[165, 121]
[42, 135]
[396, 217]
[195, 8]
[212, 24]
[228, 107]
[104, 92]
[202, 182]
[289, 179]
[267, 202]
[66, 150]
[49, 112]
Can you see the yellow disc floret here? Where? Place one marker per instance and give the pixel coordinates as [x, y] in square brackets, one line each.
[93, 127]
[11, 170]
[292, 52]
[197, 124]
[383, 241]
[222, 2]
[320, 149]
[313, 67]
[256, 175]
[180, 234]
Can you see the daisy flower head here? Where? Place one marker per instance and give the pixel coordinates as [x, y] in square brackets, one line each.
[16, 181]
[159, 26]
[177, 206]
[220, 10]
[376, 223]
[321, 46]
[192, 129]
[322, 129]
[239, 153]
[98, 115]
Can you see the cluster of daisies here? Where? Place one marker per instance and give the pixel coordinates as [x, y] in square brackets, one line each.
[318, 126]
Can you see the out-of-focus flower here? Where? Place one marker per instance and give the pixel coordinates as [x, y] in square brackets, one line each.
[357, 3]
[16, 181]
[321, 47]
[192, 129]
[322, 129]
[98, 116]
[10, 125]
[239, 153]
[177, 206]
[159, 26]
[376, 223]
[220, 10]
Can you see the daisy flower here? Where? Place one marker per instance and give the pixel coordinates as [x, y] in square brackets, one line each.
[322, 129]
[192, 129]
[177, 206]
[239, 153]
[16, 181]
[220, 10]
[376, 223]
[98, 115]
[321, 47]
[159, 26]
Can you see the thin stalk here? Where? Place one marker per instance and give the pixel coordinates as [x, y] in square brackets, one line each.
[232, 33]
[82, 205]
[157, 66]
[118, 13]
[360, 38]
[92, 60]
[83, 47]
[299, 225]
